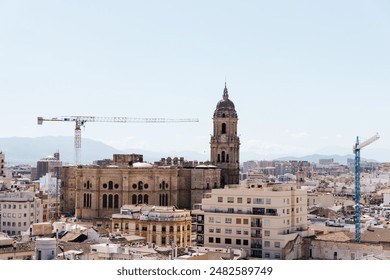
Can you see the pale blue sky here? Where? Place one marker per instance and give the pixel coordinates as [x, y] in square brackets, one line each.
[305, 76]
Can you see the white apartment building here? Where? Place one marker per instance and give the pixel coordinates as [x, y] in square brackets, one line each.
[18, 211]
[260, 219]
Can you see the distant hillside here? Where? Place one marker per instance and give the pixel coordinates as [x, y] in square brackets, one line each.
[316, 157]
[24, 150]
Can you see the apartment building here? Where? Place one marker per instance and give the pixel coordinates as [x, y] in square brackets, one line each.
[157, 224]
[18, 211]
[259, 218]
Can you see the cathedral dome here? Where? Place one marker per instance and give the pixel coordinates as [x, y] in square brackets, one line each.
[225, 107]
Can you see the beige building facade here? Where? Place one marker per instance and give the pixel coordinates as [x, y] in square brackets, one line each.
[18, 211]
[158, 225]
[260, 219]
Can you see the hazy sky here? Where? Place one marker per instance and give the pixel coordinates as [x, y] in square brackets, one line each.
[305, 76]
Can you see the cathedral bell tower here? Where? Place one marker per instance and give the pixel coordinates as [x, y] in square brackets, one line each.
[224, 143]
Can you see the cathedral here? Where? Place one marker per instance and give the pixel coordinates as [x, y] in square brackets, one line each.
[95, 192]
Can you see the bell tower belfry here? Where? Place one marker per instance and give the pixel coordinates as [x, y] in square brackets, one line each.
[224, 143]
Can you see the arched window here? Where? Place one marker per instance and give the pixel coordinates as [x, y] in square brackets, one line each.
[140, 199]
[223, 131]
[146, 199]
[104, 201]
[219, 158]
[166, 199]
[110, 201]
[85, 201]
[162, 198]
[134, 199]
[227, 157]
[116, 201]
[110, 185]
[140, 185]
[223, 156]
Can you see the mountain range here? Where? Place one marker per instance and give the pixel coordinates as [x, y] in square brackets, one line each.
[26, 150]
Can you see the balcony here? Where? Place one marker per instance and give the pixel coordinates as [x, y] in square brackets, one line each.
[256, 246]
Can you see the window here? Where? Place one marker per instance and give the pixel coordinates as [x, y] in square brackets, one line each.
[228, 220]
[238, 231]
[266, 233]
[228, 241]
[258, 201]
[228, 231]
[220, 199]
[238, 221]
[266, 244]
[277, 244]
[230, 210]
[230, 199]
[217, 240]
[218, 230]
[277, 256]
[268, 201]
[239, 199]
[245, 221]
[211, 239]
[245, 232]
[211, 219]
[218, 220]
[223, 128]
[297, 199]
[245, 242]
[238, 241]
[211, 229]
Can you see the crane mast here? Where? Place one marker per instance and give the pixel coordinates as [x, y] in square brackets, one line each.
[81, 120]
[356, 150]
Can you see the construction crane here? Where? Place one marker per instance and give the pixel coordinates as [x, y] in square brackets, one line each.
[81, 120]
[356, 150]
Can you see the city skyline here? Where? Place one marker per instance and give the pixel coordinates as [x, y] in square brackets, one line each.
[305, 77]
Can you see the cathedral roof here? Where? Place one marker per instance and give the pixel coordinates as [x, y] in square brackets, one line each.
[225, 106]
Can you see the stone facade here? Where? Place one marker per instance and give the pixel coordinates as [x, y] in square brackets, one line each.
[91, 192]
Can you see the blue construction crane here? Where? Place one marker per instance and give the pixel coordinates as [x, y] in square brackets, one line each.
[356, 151]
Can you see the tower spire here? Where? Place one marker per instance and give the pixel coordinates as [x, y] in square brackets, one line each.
[225, 92]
